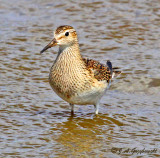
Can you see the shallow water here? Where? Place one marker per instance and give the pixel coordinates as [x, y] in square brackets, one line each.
[35, 122]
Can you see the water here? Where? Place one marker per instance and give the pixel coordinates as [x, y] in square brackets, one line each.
[35, 122]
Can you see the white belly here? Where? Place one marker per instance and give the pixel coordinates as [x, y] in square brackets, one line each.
[90, 97]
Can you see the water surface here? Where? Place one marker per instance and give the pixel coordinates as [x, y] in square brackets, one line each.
[35, 122]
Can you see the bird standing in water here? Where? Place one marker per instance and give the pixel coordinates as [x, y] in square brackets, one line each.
[75, 79]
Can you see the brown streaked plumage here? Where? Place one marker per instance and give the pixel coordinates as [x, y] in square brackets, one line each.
[63, 28]
[75, 79]
[101, 72]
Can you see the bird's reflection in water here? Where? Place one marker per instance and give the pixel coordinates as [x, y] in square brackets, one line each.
[80, 135]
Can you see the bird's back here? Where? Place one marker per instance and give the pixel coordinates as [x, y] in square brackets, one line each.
[101, 72]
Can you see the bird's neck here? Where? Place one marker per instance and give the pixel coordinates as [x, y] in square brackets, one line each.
[69, 53]
[69, 61]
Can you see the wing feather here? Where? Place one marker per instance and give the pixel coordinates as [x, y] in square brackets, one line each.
[101, 71]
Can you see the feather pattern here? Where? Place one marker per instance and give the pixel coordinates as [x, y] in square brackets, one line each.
[101, 71]
[75, 79]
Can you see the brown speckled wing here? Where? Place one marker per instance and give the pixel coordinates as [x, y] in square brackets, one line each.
[101, 71]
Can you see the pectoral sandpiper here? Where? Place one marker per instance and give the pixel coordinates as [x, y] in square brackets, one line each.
[75, 79]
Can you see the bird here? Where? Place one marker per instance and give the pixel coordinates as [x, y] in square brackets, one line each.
[75, 79]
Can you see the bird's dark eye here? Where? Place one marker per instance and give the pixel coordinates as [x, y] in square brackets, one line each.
[67, 34]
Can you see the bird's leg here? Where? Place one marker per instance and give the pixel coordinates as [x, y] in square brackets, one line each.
[72, 109]
[96, 106]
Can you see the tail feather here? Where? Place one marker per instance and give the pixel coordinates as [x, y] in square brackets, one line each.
[114, 72]
[109, 64]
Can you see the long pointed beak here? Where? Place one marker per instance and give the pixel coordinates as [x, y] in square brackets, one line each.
[51, 44]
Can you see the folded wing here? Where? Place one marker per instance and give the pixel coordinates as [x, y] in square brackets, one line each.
[101, 71]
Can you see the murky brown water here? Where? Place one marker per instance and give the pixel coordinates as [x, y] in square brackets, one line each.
[35, 122]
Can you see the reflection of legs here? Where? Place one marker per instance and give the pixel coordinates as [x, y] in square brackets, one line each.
[72, 109]
[96, 106]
